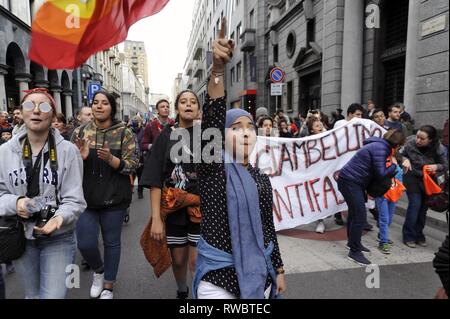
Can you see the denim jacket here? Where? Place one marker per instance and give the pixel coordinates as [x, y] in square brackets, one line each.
[210, 258]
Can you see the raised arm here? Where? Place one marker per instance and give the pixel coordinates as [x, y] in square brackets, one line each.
[215, 108]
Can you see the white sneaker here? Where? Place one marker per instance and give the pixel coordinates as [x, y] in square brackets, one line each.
[320, 228]
[97, 285]
[106, 294]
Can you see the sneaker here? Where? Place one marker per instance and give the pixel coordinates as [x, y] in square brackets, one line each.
[422, 243]
[140, 196]
[97, 285]
[363, 248]
[385, 248]
[358, 258]
[320, 228]
[390, 242]
[410, 244]
[107, 294]
[183, 294]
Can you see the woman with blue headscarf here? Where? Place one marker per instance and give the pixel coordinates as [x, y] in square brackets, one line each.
[238, 253]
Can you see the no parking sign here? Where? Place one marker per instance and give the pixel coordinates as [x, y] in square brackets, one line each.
[277, 75]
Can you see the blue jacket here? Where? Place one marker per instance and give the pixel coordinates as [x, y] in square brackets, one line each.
[369, 163]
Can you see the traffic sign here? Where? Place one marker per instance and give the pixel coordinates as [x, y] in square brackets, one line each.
[92, 89]
[277, 75]
[276, 89]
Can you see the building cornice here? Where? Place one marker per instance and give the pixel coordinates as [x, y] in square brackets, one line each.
[288, 16]
[8, 14]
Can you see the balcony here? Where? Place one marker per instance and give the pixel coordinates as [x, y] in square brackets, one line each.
[198, 70]
[198, 50]
[98, 77]
[248, 40]
[189, 69]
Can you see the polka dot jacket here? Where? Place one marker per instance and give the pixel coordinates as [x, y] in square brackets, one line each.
[215, 229]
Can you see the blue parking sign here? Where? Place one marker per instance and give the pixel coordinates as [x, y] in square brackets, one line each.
[92, 89]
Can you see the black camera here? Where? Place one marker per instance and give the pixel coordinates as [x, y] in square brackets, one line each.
[42, 217]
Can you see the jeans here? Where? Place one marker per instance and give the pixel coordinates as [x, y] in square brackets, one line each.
[88, 229]
[43, 266]
[354, 196]
[415, 219]
[386, 211]
[2, 285]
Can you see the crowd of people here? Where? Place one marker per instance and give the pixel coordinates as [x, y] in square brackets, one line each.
[215, 219]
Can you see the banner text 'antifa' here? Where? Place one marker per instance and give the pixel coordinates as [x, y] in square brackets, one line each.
[304, 171]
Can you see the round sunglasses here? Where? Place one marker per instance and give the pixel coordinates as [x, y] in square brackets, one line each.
[44, 107]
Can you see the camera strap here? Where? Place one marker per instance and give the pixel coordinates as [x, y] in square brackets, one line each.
[32, 171]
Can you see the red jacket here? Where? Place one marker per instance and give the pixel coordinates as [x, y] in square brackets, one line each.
[152, 131]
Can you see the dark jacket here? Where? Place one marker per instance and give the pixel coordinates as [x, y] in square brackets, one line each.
[151, 133]
[441, 264]
[104, 187]
[413, 180]
[369, 163]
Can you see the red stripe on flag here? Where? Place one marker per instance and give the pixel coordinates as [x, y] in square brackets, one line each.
[99, 35]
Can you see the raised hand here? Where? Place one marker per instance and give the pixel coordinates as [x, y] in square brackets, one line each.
[223, 49]
[83, 146]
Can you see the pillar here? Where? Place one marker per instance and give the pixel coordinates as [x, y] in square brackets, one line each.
[23, 80]
[353, 49]
[69, 108]
[57, 96]
[410, 97]
[3, 102]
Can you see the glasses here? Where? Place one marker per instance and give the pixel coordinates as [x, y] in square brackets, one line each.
[44, 107]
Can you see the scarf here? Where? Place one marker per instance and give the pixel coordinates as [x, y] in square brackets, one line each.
[244, 216]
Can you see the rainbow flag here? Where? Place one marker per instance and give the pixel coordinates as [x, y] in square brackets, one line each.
[65, 33]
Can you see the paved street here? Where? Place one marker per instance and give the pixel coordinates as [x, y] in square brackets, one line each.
[316, 268]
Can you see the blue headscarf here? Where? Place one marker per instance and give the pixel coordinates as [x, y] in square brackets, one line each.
[244, 216]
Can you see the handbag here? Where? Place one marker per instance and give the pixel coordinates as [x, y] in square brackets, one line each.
[396, 191]
[439, 202]
[12, 239]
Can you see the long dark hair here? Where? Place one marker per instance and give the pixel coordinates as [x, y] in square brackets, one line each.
[433, 136]
[177, 100]
[111, 100]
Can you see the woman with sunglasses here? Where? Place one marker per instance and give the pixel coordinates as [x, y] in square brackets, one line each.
[42, 170]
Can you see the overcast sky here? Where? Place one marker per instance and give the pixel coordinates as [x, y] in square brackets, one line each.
[166, 36]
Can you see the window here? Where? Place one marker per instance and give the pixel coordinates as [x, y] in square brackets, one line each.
[289, 95]
[239, 72]
[310, 32]
[291, 44]
[275, 53]
[252, 24]
[233, 75]
[238, 32]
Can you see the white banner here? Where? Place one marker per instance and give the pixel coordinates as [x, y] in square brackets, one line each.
[304, 171]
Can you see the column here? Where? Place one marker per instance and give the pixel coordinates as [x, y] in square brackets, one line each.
[3, 102]
[69, 109]
[57, 96]
[352, 60]
[410, 99]
[23, 80]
